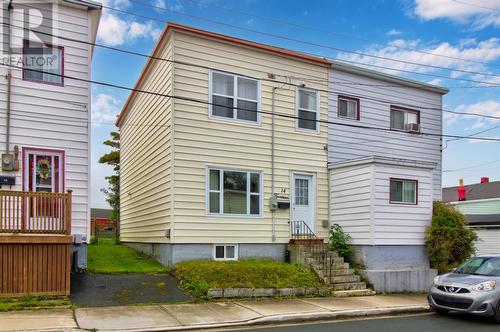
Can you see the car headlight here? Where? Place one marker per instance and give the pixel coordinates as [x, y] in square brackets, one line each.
[485, 286]
[436, 280]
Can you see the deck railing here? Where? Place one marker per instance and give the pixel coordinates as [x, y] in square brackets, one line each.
[35, 212]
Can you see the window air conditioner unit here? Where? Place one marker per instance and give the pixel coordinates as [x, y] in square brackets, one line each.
[412, 127]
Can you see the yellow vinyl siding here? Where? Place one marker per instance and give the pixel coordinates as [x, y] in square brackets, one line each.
[202, 142]
[146, 157]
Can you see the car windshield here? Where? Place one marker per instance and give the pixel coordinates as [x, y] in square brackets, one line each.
[485, 266]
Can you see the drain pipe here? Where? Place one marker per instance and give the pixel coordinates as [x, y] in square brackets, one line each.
[273, 212]
[8, 77]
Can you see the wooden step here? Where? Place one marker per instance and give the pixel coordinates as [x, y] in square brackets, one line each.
[354, 292]
[349, 286]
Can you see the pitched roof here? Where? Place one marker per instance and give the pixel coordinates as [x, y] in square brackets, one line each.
[220, 37]
[100, 213]
[483, 219]
[475, 192]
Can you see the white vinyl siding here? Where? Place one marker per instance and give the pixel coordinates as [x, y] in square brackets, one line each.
[346, 142]
[360, 203]
[57, 117]
[487, 243]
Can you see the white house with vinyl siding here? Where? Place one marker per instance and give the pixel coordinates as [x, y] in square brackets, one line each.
[50, 114]
[384, 174]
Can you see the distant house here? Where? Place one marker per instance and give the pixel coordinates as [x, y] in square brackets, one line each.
[261, 143]
[101, 223]
[480, 202]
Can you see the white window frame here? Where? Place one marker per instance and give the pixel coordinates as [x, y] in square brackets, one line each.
[235, 97]
[415, 196]
[225, 245]
[221, 193]
[297, 109]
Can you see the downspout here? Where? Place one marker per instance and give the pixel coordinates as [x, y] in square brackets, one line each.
[8, 77]
[273, 212]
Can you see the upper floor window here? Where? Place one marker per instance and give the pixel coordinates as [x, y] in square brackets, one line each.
[234, 97]
[307, 109]
[234, 192]
[405, 119]
[403, 191]
[43, 64]
[348, 107]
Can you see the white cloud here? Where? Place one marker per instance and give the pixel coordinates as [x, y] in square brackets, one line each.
[479, 52]
[105, 108]
[175, 5]
[394, 32]
[478, 13]
[486, 107]
[436, 81]
[114, 30]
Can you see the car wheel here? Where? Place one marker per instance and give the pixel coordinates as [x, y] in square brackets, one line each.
[440, 311]
[496, 316]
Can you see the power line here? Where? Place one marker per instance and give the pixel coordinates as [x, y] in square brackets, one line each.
[471, 167]
[281, 21]
[264, 79]
[199, 101]
[276, 36]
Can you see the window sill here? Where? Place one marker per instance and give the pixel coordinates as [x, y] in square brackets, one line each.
[402, 203]
[234, 121]
[236, 216]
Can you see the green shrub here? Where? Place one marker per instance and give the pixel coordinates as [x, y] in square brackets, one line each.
[448, 240]
[339, 241]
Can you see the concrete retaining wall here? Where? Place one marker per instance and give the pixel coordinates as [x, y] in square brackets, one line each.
[267, 292]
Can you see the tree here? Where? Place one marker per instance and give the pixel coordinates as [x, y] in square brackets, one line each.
[112, 193]
[449, 240]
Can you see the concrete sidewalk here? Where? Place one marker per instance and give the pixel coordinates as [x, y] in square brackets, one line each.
[210, 314]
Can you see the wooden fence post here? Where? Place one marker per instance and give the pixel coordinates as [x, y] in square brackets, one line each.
[69, 209]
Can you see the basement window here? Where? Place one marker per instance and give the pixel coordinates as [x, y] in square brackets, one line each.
[403, 191]
[225, 252]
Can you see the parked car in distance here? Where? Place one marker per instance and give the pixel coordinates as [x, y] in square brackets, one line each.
[472, 288]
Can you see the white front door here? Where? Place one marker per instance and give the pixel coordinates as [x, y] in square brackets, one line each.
[303, 199]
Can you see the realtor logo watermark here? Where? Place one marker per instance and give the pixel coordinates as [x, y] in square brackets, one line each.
[28, 34]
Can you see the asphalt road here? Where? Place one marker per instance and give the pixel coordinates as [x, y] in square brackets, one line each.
[420, 323]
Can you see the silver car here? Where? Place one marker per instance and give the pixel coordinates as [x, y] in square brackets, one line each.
[472, 288]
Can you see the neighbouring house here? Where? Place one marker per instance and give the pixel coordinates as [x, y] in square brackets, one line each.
[101, 223]
[230, 156]
[45, 142]
[480, 203]
[383, 182]
[196, 181]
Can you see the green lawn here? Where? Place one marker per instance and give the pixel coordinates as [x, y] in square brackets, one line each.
[108, 257]
[33, 302]
[199, 276]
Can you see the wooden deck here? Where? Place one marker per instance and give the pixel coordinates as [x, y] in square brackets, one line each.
[35, 243]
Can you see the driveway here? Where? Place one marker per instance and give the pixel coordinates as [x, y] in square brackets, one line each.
[95, 290]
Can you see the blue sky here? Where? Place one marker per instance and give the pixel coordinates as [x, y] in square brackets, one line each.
[457, 29]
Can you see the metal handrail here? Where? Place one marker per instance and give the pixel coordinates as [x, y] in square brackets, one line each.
[302, 233]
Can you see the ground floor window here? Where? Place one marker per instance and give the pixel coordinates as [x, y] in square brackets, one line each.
[403, 191]
[225, 251]
[233, 192]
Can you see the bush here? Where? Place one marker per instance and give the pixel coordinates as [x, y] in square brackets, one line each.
[339, 241]
[449, 241]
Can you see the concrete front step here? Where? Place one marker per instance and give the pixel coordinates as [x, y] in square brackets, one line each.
[349, 286]
[320, 260]
[340, 279]
[354, 292]
[336, 270]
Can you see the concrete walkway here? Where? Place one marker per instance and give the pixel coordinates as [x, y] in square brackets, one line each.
[210, 314]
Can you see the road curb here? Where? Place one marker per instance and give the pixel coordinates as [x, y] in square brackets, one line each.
[293, 318]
